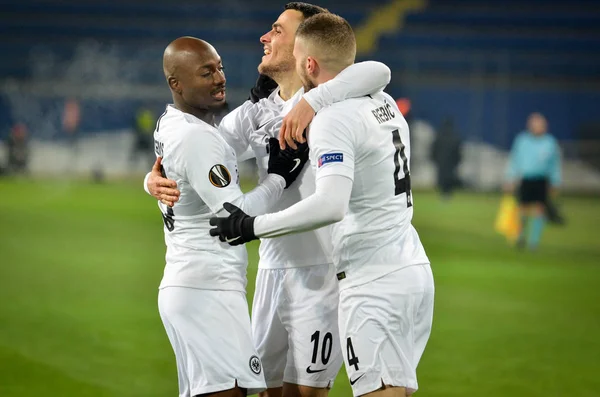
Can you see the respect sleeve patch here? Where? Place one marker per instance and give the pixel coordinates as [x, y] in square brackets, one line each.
[331, 158]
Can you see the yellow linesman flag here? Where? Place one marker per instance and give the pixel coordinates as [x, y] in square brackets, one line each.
[507, 220]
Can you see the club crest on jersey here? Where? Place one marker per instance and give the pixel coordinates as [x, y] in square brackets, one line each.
[331, 158]
[219, 175]
[255, 365]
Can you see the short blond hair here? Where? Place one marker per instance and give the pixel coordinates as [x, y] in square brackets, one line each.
[330, 39]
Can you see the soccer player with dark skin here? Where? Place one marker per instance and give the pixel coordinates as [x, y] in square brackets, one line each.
[195, 76]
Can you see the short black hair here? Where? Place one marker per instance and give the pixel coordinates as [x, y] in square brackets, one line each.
[307, 10]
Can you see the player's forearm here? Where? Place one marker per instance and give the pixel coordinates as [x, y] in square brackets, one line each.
[247, 155]
[327, 205]
[260, 199]
[356, 80]
[298, 218]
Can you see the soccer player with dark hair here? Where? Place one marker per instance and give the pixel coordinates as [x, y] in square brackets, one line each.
[360, 152]
[294, 312]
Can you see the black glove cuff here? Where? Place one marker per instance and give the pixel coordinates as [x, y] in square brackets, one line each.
[247, 229]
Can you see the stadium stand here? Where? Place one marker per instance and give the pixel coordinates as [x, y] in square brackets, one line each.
[490, 63]
[83, 49]
[487, 63]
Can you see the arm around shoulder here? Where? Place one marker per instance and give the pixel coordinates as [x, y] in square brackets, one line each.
[359, 79]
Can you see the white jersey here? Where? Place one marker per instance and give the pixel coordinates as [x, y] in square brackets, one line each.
[252, 125]
[367, 140]
[205, 169]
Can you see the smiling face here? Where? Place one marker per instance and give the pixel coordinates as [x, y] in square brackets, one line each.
[199, 79]
[278, 45]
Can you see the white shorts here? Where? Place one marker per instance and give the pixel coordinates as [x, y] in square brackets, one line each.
[210, 334]
[384, 326]
[295, 325]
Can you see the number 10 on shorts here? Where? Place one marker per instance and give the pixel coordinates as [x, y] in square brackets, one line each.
[326, 347]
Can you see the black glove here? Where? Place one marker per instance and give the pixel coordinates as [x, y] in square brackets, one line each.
[289, 162]
[262, 89]
[236, 229]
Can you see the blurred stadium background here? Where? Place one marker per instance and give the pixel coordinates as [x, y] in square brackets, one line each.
[81, 260]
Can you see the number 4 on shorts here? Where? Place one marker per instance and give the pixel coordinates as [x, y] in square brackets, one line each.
[352, 359]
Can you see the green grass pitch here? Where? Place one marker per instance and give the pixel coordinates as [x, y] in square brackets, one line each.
[80, 266]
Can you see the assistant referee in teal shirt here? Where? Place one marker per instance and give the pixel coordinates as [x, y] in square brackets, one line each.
[534, 167]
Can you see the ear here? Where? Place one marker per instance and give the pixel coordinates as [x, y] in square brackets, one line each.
[174, 84]
[312, 66]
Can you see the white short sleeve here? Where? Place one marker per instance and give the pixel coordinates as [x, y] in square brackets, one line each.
[332, 147]
[210, 168]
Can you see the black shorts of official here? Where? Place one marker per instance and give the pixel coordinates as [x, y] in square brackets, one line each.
[533, 190]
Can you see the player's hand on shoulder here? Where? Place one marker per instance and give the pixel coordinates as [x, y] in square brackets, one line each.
[235, 229]
[163, 189]
[295, 123]
[262, 89]
[287, 163]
